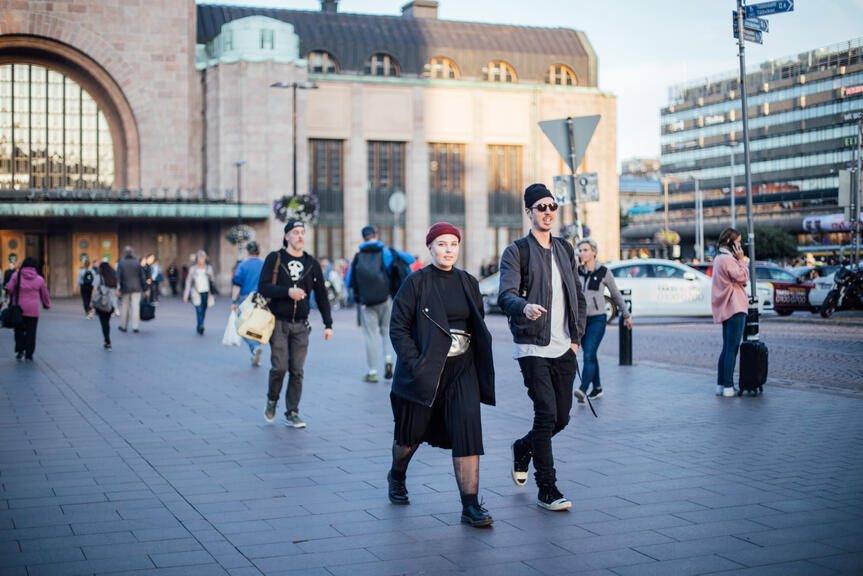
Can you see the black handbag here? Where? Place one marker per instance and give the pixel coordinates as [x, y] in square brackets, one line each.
[148, 311]
[12, 316]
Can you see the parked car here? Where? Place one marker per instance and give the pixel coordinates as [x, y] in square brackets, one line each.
[488, 289]
[822, 282]
[663, 287]
[764, 289]
[790, 292]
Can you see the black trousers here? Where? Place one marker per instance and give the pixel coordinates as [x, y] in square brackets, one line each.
[25, 336]
[105, 321]
[549, 384]
[86, 294]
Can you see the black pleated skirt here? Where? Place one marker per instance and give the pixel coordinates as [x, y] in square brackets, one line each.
[453, 421]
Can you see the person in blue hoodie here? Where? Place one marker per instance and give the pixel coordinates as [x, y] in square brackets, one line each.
[373, 278]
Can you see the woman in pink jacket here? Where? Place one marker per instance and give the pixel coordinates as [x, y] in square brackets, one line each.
[28, 296]
[730, 303]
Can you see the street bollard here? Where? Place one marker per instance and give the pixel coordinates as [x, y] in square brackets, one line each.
[625, 332]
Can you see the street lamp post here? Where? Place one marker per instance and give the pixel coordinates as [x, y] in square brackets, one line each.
[293, 86]
[732, 145]
[239, 165]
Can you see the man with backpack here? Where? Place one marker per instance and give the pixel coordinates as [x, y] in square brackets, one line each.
[375, 275]
[543, 299]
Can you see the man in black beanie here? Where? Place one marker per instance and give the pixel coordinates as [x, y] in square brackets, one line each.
[540, 293]
[288, 277]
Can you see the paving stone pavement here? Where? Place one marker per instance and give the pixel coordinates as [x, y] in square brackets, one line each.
[156, 459]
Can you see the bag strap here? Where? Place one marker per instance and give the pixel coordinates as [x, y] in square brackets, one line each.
[17, 289]
[276, 267]
[524, 263]
[589, 403]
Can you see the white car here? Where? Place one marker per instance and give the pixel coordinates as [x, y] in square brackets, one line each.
[668, 288]
[822, 278]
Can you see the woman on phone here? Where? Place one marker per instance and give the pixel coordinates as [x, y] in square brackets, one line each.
[729, 302]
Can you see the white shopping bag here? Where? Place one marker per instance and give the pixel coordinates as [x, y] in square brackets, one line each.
[231, 337]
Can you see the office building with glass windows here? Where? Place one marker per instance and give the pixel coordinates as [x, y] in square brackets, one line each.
[158, 125]
[802, 132]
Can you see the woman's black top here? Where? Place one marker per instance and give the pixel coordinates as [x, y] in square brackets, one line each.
[449, 288]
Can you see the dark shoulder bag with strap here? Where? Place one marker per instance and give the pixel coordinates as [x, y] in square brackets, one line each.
[13, 316]
[372, 279]
[399, 272]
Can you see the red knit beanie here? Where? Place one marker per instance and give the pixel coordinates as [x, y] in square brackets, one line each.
[440, 229]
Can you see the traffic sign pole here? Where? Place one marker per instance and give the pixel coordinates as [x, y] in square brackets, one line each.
[751, 328]
[579, 230]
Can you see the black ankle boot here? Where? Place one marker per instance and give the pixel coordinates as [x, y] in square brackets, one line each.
[398, 492]
[474, 514]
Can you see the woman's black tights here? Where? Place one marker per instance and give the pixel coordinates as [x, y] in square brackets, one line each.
[466, 470]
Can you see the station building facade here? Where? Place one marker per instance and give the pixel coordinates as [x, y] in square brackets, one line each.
[158, 125]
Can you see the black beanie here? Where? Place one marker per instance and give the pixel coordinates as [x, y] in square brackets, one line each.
[534, 192]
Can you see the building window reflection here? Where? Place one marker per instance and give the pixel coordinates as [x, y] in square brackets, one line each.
[326, 158]
[52, 133]
[504, 186]
[446, 183]
[382, 65]
[499, 71]
[560, 75]
[386, 175]
[443, 69]
[321, 62]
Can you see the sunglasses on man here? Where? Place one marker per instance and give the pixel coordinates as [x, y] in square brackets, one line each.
[553, 206]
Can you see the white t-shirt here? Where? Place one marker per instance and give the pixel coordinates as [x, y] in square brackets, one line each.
[560, 339]
[202, 281]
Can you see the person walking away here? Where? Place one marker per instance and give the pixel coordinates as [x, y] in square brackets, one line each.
[28, 289]
[370, 278]
[288, 278]
[199, 286]
[594, 282]
[543, 300]
[84, 286]
[157, 277]
[7, 274]
[246, 280]
[104, 300]
[173, 276]
[444, 371]
[130, 278]
[730, 304]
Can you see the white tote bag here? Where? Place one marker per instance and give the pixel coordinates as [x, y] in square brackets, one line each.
[231, 337]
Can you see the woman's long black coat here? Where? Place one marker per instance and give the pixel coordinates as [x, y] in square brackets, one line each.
[422, 346]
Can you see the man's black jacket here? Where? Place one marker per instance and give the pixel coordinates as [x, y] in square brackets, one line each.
[312, 280]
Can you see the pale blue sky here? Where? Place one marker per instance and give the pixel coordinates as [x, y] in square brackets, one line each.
[644, 47]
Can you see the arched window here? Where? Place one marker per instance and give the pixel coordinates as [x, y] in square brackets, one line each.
[500, 71]
[322, 62]
[561, 75]
[52, 133]
[382, 65]
[443, 68]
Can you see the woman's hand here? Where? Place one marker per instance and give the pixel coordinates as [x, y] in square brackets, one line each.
[628, 322]
[737, 250]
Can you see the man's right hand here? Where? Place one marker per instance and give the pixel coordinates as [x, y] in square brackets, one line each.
[533, 311]
[296, 294]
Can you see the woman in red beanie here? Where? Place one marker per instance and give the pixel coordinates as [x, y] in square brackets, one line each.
[443, 372]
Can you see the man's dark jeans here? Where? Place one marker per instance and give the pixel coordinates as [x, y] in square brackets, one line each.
[732, 335]
[549, 384]
[288, 347]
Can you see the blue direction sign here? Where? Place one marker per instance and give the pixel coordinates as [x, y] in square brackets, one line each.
[751, 36]
[759, 24]
[767, 8]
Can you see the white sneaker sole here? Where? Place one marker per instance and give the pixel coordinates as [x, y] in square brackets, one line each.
[557, 505]
[729, 392]
[520, 478]
[579, 395]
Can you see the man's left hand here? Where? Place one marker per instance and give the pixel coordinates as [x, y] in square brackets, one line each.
[574, 347]
[328, 333]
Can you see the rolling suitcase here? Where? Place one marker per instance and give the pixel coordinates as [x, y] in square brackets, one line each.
[753, 366]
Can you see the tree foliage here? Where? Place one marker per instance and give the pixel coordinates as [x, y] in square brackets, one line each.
[773, 243]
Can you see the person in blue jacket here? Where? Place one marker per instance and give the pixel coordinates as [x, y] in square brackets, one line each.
[245, 282]
[374, 276]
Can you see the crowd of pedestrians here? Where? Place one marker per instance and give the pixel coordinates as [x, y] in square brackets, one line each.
[429, 321]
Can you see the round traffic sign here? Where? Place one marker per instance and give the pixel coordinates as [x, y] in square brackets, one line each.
[397, 202]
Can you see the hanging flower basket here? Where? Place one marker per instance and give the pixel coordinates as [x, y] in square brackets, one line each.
[239, 233]
[303, 207]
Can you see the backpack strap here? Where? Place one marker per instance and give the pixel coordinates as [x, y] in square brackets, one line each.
[524, 264]
[276, 267]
